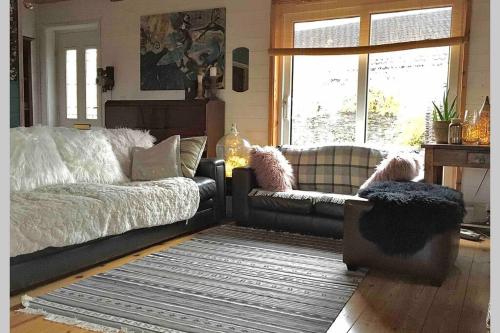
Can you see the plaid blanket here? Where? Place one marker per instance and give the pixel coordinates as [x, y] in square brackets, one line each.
[332, 169]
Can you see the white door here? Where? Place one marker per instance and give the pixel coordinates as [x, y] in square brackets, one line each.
[77, 61]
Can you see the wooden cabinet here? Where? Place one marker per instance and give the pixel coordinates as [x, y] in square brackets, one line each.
[164, 118]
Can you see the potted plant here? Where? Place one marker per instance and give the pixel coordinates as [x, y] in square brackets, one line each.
[441, 118]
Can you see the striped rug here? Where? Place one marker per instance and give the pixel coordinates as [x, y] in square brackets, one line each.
[225, 279]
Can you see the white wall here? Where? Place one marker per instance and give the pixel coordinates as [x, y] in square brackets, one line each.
[247, 25]
[478, 87]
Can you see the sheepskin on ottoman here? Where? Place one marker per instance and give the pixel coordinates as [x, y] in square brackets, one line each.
[406, 227]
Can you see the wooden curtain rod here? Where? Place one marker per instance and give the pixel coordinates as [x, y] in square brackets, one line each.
[320, 51]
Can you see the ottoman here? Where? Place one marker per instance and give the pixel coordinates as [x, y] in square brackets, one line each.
[431, 263]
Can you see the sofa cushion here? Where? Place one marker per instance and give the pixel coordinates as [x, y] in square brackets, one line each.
[402, 166]
[300, 202]
[332, 169]
[272, 169]
[191, 150]
[158, 162]
[331, 204]
[295, 206]
[207, 187]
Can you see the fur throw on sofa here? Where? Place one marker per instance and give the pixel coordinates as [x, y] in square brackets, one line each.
[408, 214]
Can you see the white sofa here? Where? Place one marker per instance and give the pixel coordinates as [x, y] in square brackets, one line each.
[70, 188]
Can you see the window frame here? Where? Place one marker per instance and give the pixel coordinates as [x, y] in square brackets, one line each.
[285, 13]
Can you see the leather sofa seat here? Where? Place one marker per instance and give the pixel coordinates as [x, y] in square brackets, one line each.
[207, 187]
[300, 202]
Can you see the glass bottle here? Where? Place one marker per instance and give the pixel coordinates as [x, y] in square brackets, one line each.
[455, 132]
[484, 123]
[470, 133]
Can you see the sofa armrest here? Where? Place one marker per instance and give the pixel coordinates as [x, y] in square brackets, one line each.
[215, 169]
[243, 182]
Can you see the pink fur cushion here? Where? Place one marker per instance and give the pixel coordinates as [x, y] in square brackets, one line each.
[396, 167]
[272, 169]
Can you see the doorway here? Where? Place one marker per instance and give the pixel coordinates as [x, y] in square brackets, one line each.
[77, 58]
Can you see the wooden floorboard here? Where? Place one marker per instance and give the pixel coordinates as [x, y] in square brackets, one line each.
[382, 303]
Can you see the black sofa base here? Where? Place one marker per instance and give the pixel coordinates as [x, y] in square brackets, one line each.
[31, 270]
[316, 225]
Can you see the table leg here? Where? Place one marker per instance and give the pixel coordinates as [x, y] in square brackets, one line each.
[437, 175]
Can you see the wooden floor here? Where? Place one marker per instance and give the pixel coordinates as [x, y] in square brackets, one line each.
[382, 303]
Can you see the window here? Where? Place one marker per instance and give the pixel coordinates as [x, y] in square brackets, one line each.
[71, 85]
[352, 72]
[396, 114]
[80, 84]
[323, 86]
[91, 85]
[325, 89]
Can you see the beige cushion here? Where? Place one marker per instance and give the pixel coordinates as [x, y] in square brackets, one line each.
[191, 151]
[157, 162]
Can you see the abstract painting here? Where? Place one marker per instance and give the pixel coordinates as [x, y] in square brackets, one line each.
[176, 47]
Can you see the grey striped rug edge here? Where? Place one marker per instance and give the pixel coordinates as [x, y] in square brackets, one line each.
[183, 289]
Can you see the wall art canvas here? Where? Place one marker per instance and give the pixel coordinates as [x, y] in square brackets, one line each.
[176, 47]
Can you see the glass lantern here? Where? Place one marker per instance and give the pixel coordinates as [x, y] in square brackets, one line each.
[484, 123]
[470, 131]
[233, 149]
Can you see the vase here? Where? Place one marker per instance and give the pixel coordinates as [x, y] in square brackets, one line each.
[440, 128]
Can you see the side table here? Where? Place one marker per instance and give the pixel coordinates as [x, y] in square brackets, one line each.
[439, 155]
[470, 156]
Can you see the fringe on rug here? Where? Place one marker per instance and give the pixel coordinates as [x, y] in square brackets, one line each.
[25, 301]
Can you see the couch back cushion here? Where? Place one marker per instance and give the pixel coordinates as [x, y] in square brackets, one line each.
[35, 160]
[88, 156]
[332, 169]
[123, 140]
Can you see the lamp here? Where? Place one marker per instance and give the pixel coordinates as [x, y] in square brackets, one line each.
[106, 78]
[234, 150]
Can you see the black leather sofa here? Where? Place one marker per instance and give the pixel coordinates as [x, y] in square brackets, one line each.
[30, 270]
[299, 215]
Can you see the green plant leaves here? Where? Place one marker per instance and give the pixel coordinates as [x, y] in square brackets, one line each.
[447, 111]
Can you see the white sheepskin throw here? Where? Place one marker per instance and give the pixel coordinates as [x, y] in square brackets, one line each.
[60, 215]
[34, 160]
[122, 141]
[88, 156]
